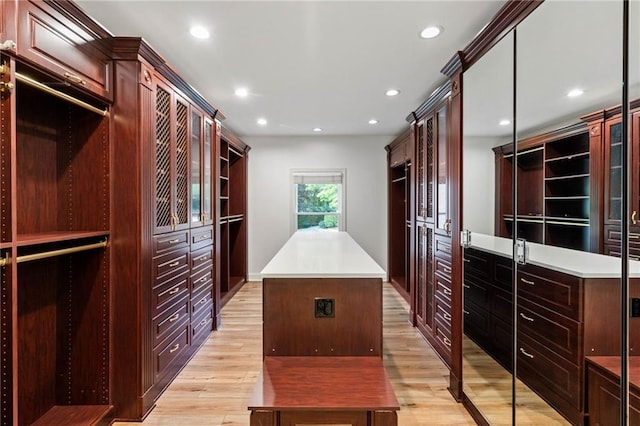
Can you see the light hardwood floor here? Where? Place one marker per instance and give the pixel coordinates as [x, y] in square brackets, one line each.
[215, 387]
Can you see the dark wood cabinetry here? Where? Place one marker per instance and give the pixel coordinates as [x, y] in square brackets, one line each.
[55, 231]
[164, 183]
[400, 206]
[561, 319]
[603, 392]
[555, 202]
[233, 158]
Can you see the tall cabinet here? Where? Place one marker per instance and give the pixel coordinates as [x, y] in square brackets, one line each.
[55, 231]
[232, 245]
[163, 192]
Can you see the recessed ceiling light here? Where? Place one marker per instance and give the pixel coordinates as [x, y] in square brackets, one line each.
[242, 92]
[262, 121]
[373, 121]
[505, 122]
[199, 32]
[317, 129]
[575, 92]
[392, 92]
[431, 32]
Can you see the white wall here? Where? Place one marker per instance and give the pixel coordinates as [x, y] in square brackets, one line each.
[271, 160]
[478, 189]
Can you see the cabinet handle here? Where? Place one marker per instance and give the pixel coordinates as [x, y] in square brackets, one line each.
[466, 260]
[465, 312]
[446, 269]
[634, 236]
[446, 316]
[633, 217]
[526, 317]
[203, 279]
[203, 300]
[175, 290]
[525, 353]
[203, 322]
[634, 257]
[174, 317]
[527, 281]
[446, 341]
[201, 258]
[175, 348]
[203, 237]
[177, 240]
[466, 286]
[75, 78]
[446, 291]
[174, 264]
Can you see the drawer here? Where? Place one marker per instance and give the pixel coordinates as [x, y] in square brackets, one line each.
[201, 301]
[443, 313]
[201, 279]
[170, 320]
[443, 247]
[503, 273]
[557, 332]
[201, 237]
[64, 47]
[169, 242]
[168, 356]
[442, 287]
[443, 337]
[561, 379]
[553, 290]
[201, 328]
[502, 305]
[202, 258]
[443, 266]
[613, 236]
[170, 265]
[477, 264]
[502, 342]
[170, 291]
[614, 250]
[476, 291]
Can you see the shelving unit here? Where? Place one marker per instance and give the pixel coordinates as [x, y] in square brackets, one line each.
[233, 206]
[554, 186]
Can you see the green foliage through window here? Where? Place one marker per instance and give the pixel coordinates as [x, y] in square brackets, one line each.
[317, 198]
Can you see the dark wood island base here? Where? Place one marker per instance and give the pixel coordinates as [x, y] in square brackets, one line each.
[323, 390]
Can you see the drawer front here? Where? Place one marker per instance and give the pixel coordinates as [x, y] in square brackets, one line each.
[169, 292]
[443, 287]
[171, 265]
[201, 301]
[201, 328]
[553, 290]
[201, 237]
[203, 278]
[202, 258]
[169, 242]
[443, 266]
[443, 247]
[63, 47]
[613, 236]
[557, 332]
[443, 338]
[476, 324]
[477, 264]
[503, 273]
[476, 291]
[502, 342]
[167, 357]
[443, 313]
[614, 250]
[502, 305]
[561, 379]
[170, 320]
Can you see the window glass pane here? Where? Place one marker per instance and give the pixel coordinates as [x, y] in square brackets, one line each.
[318, 198]
[318, 222]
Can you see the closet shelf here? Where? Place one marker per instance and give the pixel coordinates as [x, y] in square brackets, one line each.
[81, 414]
[56, 237]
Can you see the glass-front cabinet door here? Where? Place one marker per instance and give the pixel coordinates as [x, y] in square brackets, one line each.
[207, 172]
[196, 168]
[443, 219]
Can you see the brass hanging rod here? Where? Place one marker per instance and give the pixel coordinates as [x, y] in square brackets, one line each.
[5, 261]
[52, 253]
[40, 86]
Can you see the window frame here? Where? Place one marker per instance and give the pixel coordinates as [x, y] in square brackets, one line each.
[342, 197]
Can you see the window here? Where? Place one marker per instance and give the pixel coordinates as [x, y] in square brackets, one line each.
[318, 200]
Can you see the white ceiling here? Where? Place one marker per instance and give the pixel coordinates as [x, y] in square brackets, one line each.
[306, 64]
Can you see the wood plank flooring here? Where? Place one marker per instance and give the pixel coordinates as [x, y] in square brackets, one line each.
[215, 387]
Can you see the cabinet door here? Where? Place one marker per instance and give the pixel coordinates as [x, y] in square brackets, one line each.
[442, 219]
[421, 178]
[613, 171]
[181, 164]
[208, 172]
[197, 164]
[635, 170]
[424, 275]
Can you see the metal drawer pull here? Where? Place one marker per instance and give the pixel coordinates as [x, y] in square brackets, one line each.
[177, 240]
[446, 341]
[175, 348]
[634, 236]
[201, 258]
[525, 353]
[175, 290]
[174, 317]
[203, 279]
[527, 281]
[174, 264]
[466, 312]
[526, 317]
[446, 269]
[203, 300]
[75, 78]
[447, 291]
[203, 322]
[633, 217]
[446, 316]
[203, 237]
[466, 260]
[466, 286]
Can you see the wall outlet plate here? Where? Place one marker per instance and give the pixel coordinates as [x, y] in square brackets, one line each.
[325, 308]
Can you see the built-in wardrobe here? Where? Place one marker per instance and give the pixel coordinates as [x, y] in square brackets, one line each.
[56, 92]
[543, 186]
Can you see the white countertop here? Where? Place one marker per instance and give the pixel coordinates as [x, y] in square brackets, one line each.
[322, 255]
[573, 262]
